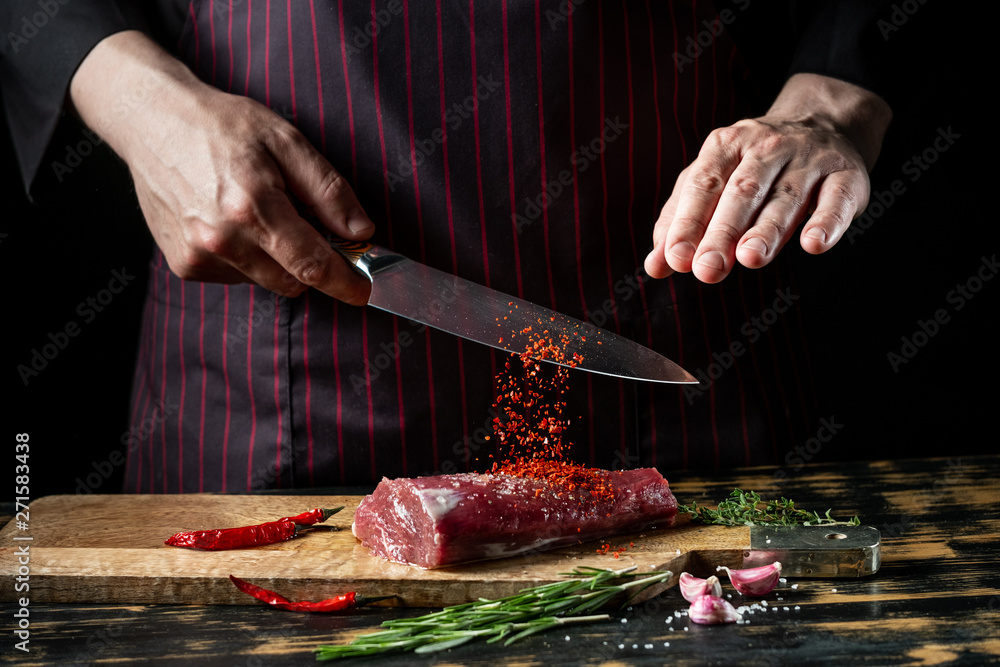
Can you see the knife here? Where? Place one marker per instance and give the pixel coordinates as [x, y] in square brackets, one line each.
[464, 308]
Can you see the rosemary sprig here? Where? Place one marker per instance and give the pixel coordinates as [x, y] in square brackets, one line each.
[744, 508]
[506, 620]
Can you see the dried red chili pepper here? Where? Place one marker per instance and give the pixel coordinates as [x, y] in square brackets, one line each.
[221, 539]
[341, 602]
[311, 517]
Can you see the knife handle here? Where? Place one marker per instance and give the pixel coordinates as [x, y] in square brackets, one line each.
[352, 251]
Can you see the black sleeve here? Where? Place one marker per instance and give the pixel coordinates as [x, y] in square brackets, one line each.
[44, 41]
[847, 40]
[844, 39]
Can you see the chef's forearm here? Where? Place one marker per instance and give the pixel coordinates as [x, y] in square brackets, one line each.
[859, 114]
[125, 84]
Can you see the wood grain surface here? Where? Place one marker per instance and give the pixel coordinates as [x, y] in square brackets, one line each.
[109, 548]
[935, 601]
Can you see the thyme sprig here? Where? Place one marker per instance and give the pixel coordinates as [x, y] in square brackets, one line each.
[506, 620]
[747, 508]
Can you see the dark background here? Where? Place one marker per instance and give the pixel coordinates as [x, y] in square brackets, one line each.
[857, 302]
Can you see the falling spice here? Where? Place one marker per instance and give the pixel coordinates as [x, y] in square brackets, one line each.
[531, 419]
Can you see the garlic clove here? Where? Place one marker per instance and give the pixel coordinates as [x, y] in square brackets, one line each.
[693, 588]
[712, 610]
[756, 581]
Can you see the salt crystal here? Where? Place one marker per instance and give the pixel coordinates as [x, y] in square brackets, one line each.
[785, 608]
[783, 580]
[666, 644]
[797, 607]
[794, 586]
[635, 646]
[624, 620]
[834, 590]
[648, 646]
[567, 637]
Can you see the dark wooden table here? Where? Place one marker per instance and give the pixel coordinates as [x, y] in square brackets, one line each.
[936, 599]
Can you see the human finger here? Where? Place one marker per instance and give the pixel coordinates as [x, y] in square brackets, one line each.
[655, 263]
[699, 196]
[784, 210]
[305, 257]
[746, 191]
[840, 198]
[314, 182]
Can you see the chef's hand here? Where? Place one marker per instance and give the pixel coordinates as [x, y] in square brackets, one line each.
[754, 183]
[215, 174]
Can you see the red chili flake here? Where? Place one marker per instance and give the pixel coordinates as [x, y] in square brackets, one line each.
[531, 423]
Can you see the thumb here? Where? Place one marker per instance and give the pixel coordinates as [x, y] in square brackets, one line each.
[321, 188]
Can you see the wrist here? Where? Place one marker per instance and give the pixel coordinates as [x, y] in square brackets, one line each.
[124, 84]
[857, 113]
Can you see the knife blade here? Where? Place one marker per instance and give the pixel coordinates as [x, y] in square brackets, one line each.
[461, 307]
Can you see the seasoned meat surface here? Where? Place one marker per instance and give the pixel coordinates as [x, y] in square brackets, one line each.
[448, 519]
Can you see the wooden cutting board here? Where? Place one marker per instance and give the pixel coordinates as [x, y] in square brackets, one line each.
[109, 549]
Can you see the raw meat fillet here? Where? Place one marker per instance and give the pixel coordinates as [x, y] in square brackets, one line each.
[447, 519]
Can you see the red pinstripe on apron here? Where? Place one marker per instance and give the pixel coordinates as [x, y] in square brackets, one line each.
[525, 145]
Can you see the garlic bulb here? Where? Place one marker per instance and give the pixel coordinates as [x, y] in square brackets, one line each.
[712, 610]
[693, 588]
[756, 581]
